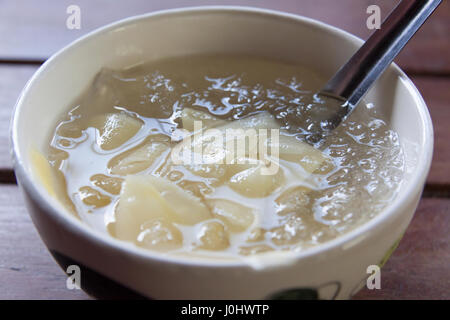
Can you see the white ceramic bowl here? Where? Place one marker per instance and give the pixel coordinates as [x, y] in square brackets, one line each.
[336, 269]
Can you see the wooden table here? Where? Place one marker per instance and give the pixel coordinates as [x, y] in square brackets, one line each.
[31, 31]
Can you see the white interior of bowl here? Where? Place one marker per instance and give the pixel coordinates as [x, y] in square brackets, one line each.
[213, 30]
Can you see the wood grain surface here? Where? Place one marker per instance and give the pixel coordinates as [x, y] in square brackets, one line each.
[419, 268]
[31, 31]
[27, 270]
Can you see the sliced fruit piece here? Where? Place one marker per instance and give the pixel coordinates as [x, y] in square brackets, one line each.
[52, 179]
[43, 171]
[213, 236]
[145, 198]
[93, 198]
[56, 156]
[255, 183]
[236, 217]
[245, 141]
[294, 200]
[139, 202]
[141, 157]
[109, 184]
[71, 129]
[115, 129]
[263, 120]
[187, 209]
[159, 235]
[293, 150]
[241, 165]
[209, 152]
[256, 235]
[215, 171]
[189, 115]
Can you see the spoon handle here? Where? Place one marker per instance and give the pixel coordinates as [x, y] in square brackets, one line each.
[356, 77]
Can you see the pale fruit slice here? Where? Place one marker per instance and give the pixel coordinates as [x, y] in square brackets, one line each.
[255, 183]
[187, 209]
[114, 129]
[208, 141]
[204, 147]
[263, 120]
[111, 185]
[145, 198]
[213, 236]
[215, 171]
[139, 202]
[93, 198]
[209, 152]
[43, 171]
[236, 217]
[256, 235]
[243, 135]
[52, 179]
[189, 115]
[294, 200]
[293, 150]
[71, 129]
[240, 165]
[141, 157]
[159, 235]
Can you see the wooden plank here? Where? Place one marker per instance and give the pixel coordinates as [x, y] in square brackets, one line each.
[428, 52]
[436, 92]
[33, 30]
[419, 268]
[27, 271]
[12, 79]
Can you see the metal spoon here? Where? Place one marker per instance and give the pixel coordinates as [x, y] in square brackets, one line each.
[337, 99]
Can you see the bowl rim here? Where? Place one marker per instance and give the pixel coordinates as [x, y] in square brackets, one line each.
[60, 215]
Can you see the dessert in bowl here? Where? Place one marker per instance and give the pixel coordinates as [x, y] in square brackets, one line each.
[105, 114]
